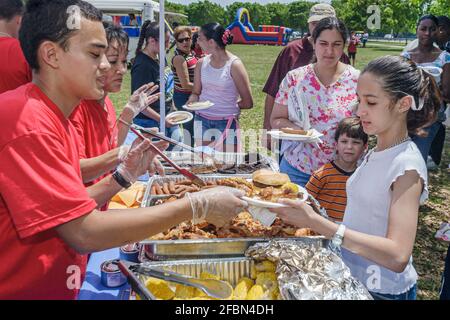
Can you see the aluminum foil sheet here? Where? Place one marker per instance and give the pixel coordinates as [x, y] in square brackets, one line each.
[309, 273]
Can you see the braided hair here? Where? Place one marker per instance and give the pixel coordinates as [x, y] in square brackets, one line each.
[148, 30]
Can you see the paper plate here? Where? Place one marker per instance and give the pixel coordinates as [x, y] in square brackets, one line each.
[267, 204]
[189, 116]
[192, 106]
[262, 203]
[277, 134]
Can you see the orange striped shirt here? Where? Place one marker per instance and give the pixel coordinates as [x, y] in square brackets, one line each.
[327, 185]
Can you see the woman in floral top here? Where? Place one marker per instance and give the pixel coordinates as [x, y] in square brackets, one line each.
[317, 96]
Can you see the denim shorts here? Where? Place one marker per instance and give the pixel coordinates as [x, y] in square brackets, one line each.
[408, 295]
[211, 130]
[294, 174]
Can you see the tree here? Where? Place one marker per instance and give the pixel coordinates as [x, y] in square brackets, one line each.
[297, 16]
[176, 8]
[278, 13]
[397, 15]
[203, 12]
[440, 7]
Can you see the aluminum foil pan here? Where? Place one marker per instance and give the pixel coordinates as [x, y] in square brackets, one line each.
[230, 270]
[307, 272]
[211, 248]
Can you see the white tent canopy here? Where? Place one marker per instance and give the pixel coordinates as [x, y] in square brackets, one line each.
[130, 6]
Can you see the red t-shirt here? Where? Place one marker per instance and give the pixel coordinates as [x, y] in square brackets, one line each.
[96, 129]
[40, 189]
[14, 69]
[297, 53]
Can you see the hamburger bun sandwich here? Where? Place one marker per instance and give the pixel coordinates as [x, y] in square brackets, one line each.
[266, 178]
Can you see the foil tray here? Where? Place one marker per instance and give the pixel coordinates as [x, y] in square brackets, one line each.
[163, 250]
[230, 270]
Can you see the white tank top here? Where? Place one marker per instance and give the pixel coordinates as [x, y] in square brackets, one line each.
[218, 87]
[368, 202]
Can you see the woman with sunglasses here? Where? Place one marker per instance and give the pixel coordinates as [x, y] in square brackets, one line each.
[183, 66]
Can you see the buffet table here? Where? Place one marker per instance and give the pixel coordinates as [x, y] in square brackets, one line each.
[92, 288]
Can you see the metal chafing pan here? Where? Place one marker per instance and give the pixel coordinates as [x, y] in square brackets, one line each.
[230, 270]
[210, 248]
[147, 200]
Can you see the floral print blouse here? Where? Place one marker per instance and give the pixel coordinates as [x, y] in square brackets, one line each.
[326, 105]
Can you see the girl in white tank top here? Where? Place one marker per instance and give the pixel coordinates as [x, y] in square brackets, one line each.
[383, 195]
[221, 78]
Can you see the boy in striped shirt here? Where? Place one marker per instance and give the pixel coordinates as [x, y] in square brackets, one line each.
[327, 184]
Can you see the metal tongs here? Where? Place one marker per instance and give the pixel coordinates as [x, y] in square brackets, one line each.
[195, 179]
[212, 287]
[172, 141]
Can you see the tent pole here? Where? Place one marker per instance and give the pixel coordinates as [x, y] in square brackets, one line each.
[162, 66]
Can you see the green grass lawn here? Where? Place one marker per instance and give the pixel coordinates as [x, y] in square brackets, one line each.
[428, 253]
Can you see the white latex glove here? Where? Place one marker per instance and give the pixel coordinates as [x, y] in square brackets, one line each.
[216, 205]
[139, 159]
[141, 99]
[123, 151]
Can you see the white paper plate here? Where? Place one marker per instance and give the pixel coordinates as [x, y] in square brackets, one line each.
[193, 108]
[189, 115]
[268, 204]
[314, 137]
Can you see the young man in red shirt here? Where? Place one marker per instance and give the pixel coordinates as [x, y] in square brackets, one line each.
[14, 69]
[47, 217]
[297, 53]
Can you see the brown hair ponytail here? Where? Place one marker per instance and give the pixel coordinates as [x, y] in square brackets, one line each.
[400, 77]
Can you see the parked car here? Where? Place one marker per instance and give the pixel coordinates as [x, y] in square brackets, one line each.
[389, 36]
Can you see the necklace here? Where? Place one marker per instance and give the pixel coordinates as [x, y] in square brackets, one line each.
[396, 143]
[5, 34]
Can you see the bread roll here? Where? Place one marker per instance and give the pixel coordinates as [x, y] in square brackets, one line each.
[270, 178]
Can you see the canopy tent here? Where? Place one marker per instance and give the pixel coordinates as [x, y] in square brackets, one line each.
[147, 9]
[144, 7]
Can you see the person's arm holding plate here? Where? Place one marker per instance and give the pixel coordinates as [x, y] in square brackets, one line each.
[280, 113]
[280, 118]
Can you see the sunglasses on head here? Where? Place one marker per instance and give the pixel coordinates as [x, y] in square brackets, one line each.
[184, 40]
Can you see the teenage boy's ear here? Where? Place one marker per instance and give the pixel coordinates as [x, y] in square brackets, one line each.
[48, 53]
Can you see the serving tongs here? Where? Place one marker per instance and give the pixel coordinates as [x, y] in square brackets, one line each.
[214, 288]
[160, 136]
[195, 179]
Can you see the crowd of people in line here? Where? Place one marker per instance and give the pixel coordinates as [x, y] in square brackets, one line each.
[63, 156]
